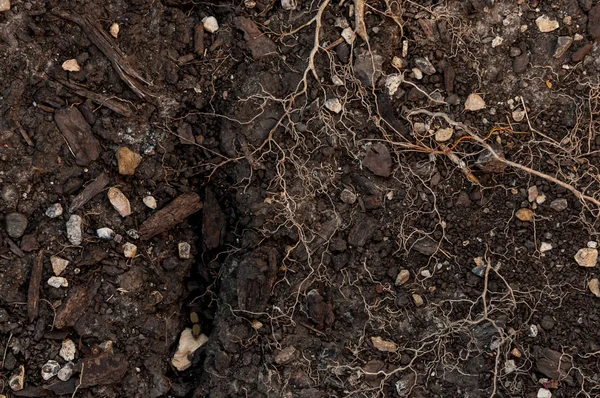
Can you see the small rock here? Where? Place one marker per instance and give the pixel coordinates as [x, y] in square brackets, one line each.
[188, 344]
[594, 22]
[520, 63]
[58, 282]
[50, 369]
[17, 379]
[545, 246]
[119, 201]
[150, 202]
[479, 270]
[210, 24]
[257, 325]
[425, 66]
[114, 30]
[128, 161]
[184, 250]
[532, 193]
[562, 46]
[16, 223]
[547, 322]
[384, 345]
[4, 5]
[68, 350]
[74, 230]
[363, 67]
[577, 37]
[543, 393]
[559, 204]
[66, 371]
[392, 83]
[518, 115]
[592, 244]
[58, 264]
[55, 210]
[105, 233]
[334, 105]
[510, 366]
[71, 65]
[289, 4]
[347, 196]
[587, 257]
[349, 35]
[285, 356]
[533, 331]
[541, 198]
[516, 353]
[443, 135]
[129, 250]
[525, 214]
[546, 24]
[426, 273]
[335, 79]
[497, 41]
[399, 63]
[403, 277]
[378, 160]
[474, 102]
[514, 52]
[418, 300]
[594, 287]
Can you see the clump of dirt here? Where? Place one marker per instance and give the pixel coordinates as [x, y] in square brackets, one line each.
[299, 199]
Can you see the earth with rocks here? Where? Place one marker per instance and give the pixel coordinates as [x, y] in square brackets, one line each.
[266, 198]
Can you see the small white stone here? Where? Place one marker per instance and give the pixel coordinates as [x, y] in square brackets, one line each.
[518, 115]
[50, 369]
[55, 210]
[114, 30]
[497, 41]
[577, 37]
[417, 73]
[184, 250]
[334, 105]
[509, 366]
[133, 234]
[68, 350]
[545, 246]
[129, 250]
[335, 79]
[546, 24]
[187, 345]
[289, 4]
[419, 127]
[58, 264]
[58, 282]
[392, 83]
[592, 244]
[66, 371]
[533, 331]
[348, 35]
[71, 65]
[17, 379]
[74, 233]
[532, 193]
[474, 102]
[523, 28]
[210, 24]
[443, 135]
[587, 257]
[543, 393]
[119, 201]
[403, 277]
[4, 5]
[541, 198]
[105, 233]
[426, 273]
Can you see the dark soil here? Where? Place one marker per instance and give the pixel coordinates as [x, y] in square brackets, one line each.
[307, 216]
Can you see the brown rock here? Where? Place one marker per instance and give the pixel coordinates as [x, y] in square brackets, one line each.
[76, 304]
[119, 201]
[319, 311]
[582, 52]
[78, 134]
[362, 231]
[553, 363]
[594, 22]
[4, 5]
[525, 214]
[285, 356]
[128, 161]
[586, 257]
[378, 160]
[260, 45]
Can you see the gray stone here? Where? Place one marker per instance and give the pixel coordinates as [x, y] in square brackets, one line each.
[55, 210]
[74, 230]
[16, 224]
[520, 63]
[66, 372]
[562, 46]
[378, 160]
[425, 66]
[362, 231]
[488, 162]
[559, 204]
[347, 196]
[10, 195]
[50, 369]
[363, 67]
[547, 322]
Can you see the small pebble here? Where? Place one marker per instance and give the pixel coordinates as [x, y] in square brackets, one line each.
[184, 250]
[474, 102]
[532, 193]
[129, 250]
[128, 161]
[497, 41]
[58, 264]
[509, 366]
[559, 204]
[334, 105]
[58, 282]
[105, 233]
[525, 214]
[74, 232]
[594, 287]
[533, 331]
[71, 65]
[545, 246]
[50, 369]
[68, 350]
[4, 5]
[547, 322]
[17, 379]
[383, 345]
[443, 135]
[587, 257]
[348, 35]
[55, 210]
[543, 393]
[150, 202]
[403, 277]
[119, 201]
[210, 24]
[418, 300]
[66, 371]
[16, 223]
[347, 196]
[114, 30]
[546, 24]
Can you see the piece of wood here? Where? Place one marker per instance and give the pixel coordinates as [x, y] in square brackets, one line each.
[106, 368]
[100, 99]
[78, 133]
[75, 306]
[13, 247]
[93, 189]
[33, 296]
[199, 39]
[172, 214]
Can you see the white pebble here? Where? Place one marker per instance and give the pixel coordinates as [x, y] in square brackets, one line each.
[348, 35]
[105, 233]
[58, 281]
[334, 105]
[592, 244]
[66, 372]
[150, 202]
[56, 210]
[184, 250]
[210, 24]
[74, 233]
[129, 250]
[50, 369]
[68, 350]
[543, 393]
[497, 41]
[58, 264]
[545, 246]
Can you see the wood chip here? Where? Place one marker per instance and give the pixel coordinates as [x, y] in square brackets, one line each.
[33, 297]
[76, 304]
[172, 214]
[77, 132]
[93, 189]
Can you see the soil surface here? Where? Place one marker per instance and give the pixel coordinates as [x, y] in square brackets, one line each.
[299, 199]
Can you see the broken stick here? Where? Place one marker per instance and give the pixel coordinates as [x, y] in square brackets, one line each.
[172, 214]
[33, 296]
